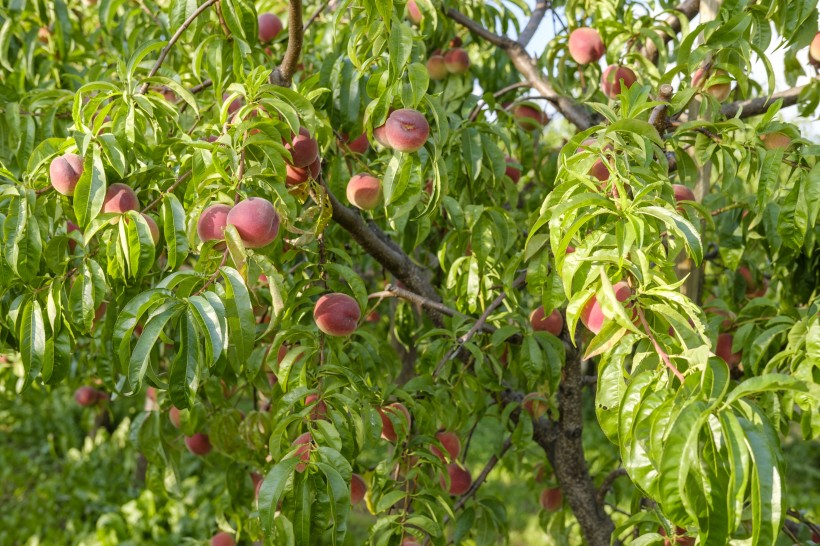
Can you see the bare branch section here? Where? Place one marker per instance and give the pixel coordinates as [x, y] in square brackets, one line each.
[531, 28]
[174, 39]
[755, 107]
[569, 108]
[688, 9]
[283, 74]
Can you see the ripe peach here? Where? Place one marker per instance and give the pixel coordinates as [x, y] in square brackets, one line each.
[719, 90]
[512, 171]
[337, 314]
[457, 61]
[683, 193]
[222, 539]
[380, 134]
[372, 316]
[535, 405]
[152, 226]
[198, 444]
[43, 34]
[586, 45]
[437, 67]
[814, 59]
[297, 175]
[413, 12]
[410, 541]
[303, 451]
[86, 396]
[451, 444]
[235, 105]
[120, 198]
[529, 116]
[592, 316]
[551, 499]
[358, 488]
[255, 220]
[319, 411]
[407, 130]
[723, 349]
[364, 191]
[212, 222]
[460, 479]
[303, 149]
[65, 172]
[680, 540]
[269, 26]
[456, 41]
[397, 410]
[751, 285]
[552, 324]
[611, 80]
[600, 171]
[173, 416]
[775, 141]
[359, 145]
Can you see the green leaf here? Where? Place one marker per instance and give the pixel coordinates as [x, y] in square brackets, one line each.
[239, 312]
[471, 151]
[32, 336]
[173, 228]
[270, 492]
[141, 355]
[184, 374]
[90, 191]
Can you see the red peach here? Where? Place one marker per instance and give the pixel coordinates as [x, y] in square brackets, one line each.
[534, 405]
[413, 12]
[451, 444]
[398, 411]
[269, 27]
[683, 193]
[364, 191]
[512, 170]
[359, 145]
[380, 134]
[198, 444]
[86, 396]
[457, 61]
[319, 411]
[460, 479]
[720, 91]
[437, 67]
[529, 116]
[297, 175]
[173, 416]
[337, 314]
[592, 315]
[212, 222]
[552, 324]
[43, 34]
[358, 489]
[255, 220]
[551, 499]
[303, 149]
[407, 130]
[814, 59]
[303, 451]
[586, 45]
[152, 227]
[120, 198]
[611, 80]
[69, 227]
[235, 105]
[410, 541]
[723, 349]
[775, 141]
[222, 539]
[65, 172]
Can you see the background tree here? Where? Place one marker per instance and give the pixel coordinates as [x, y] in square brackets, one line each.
[376, 252]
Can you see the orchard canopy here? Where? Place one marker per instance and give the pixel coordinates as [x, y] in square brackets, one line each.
[409, 272]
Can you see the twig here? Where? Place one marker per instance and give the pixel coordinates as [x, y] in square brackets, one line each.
[658, 116]
[482, 477]
[658, 348]
[792, 513]
[201, 86]
[171, 188]
[283, 74]
[607, 483]
[164, 53]
[213, 277]
[391, 290]
[315, 15]
[689, 9]
[757, 106]
[534, 22]
[500, 92]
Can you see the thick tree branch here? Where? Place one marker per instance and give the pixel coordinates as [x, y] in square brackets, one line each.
[689, 9]
[530, 29]
[754, 107]
[177, 35]
[283, 74]
[526, 65]
[658, 117]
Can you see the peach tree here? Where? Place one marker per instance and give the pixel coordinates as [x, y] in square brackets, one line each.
[329, 243]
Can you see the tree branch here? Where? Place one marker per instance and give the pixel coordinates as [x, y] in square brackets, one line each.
[688, 9]
[658, 116]
[754, 107]
[484, 473]
[164, 53]
[575, 112]
[534, 22]
[283, 74]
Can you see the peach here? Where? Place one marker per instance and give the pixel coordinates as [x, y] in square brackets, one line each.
[457, 61]
[534, 405]
[380, 134]
[358, 488]
[255, 220]
[364, 191]
[69, 227]
[86, 396]
[235, 105]
[337, 314]
[437, 67]
[212, 222]
[269, 26]
[456, 41]
[551, 499]
[529, 116]
[751, 285]
[723, 349]
[720, 91]
[152, 226]
[586, 45]
[406, 130]
[398, 411]
[198, 444]
[120, 198]
[413, 12]
[814, 59]
[512, 170]
[775, 141]
[359, 145]
[303, 149]
[570, 249]
[460, 479]
[553, 324]
[680, 538]
[173, 416]
[592, 315]
[612, 77]
[683, 193]
[303, 451]
[43, 34]
[600, 171]
[222, 539]
[319, 410]
[99, 313]
[372, 316]
[451, 444]
[297, 175]
[64, 172]
[410, 541]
